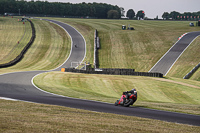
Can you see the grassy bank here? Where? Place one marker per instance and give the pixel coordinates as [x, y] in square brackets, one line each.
[187, 62]
[139, 49]
[165, 94]
[14, 37]
[50, 49]
[28, 117]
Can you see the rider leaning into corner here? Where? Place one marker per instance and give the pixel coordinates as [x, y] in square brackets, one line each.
[128, 93]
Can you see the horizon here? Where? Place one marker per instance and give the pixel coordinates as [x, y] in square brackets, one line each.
[151, 8]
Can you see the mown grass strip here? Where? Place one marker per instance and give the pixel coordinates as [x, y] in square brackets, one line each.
[139, 49]
[108, 88]
[28, 117]
[50, 49]
[15, 36]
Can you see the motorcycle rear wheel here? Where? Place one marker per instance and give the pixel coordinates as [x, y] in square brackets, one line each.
[128, 103]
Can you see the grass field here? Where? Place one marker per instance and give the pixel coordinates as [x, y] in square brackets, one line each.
[165, 94]
[50, 49]
[35, 118]
[12, 32]
[138, 49]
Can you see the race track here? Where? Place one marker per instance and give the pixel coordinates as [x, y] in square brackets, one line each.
[167, 61]
[19, 86]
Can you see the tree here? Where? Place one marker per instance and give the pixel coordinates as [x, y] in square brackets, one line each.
[174, 15]
[140, 14]
[130, 14]
[165, 15]
[113, 14]
[97, 10]
[156, 17]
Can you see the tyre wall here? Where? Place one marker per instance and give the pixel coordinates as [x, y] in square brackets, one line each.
[192, 72]
[112, 72]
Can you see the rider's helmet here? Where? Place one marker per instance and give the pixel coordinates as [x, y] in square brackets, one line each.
[134, 90]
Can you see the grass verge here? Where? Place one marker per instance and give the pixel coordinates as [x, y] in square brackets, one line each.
[165, 94]
[50, 49]
[28, 117]
[14, 37]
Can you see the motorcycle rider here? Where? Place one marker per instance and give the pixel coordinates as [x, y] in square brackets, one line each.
[133, 91]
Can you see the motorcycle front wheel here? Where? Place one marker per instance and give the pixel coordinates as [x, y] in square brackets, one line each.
[116, 103]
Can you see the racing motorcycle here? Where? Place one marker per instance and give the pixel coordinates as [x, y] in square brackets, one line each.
[128, 101]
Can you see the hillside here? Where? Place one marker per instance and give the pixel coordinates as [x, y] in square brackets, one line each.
[51, 43]
[14, 37]
[172, 94]
[189, 59]
[139, 49]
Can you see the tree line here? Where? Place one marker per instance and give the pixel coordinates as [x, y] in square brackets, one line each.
[95, 10]
[181, 16]
[131, 14]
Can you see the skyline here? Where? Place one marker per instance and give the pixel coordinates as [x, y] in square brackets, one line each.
[151, 8]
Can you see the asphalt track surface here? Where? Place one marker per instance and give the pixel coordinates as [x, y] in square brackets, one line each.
[171, 56]
[19, 86]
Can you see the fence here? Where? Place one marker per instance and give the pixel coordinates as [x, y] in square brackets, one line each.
[20, 56]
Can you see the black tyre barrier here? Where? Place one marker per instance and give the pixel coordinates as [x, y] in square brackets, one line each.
[113, 72]
[192, 72]
[96, 62]
[20, 56]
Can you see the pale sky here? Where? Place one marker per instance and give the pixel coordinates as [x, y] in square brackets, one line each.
[152, 8]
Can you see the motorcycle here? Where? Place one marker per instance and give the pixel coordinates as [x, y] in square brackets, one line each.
[128, 101]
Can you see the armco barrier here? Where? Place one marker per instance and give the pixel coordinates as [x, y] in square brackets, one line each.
[112, 72]
[192, 72]
[20, 56]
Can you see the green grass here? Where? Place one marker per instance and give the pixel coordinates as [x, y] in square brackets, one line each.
[27, 117]
[50, 49]
[139, 49]
[164, 94]
[187, 62]
[13, 32]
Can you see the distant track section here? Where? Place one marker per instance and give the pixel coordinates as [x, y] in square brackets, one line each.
[171, 56]
[78, 46]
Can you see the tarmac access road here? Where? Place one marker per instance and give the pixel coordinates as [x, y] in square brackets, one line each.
[171, 56]
[19, 86]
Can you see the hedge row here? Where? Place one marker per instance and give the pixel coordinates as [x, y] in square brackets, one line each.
[20, 56]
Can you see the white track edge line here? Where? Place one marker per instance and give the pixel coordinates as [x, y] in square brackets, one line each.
[181, 54]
